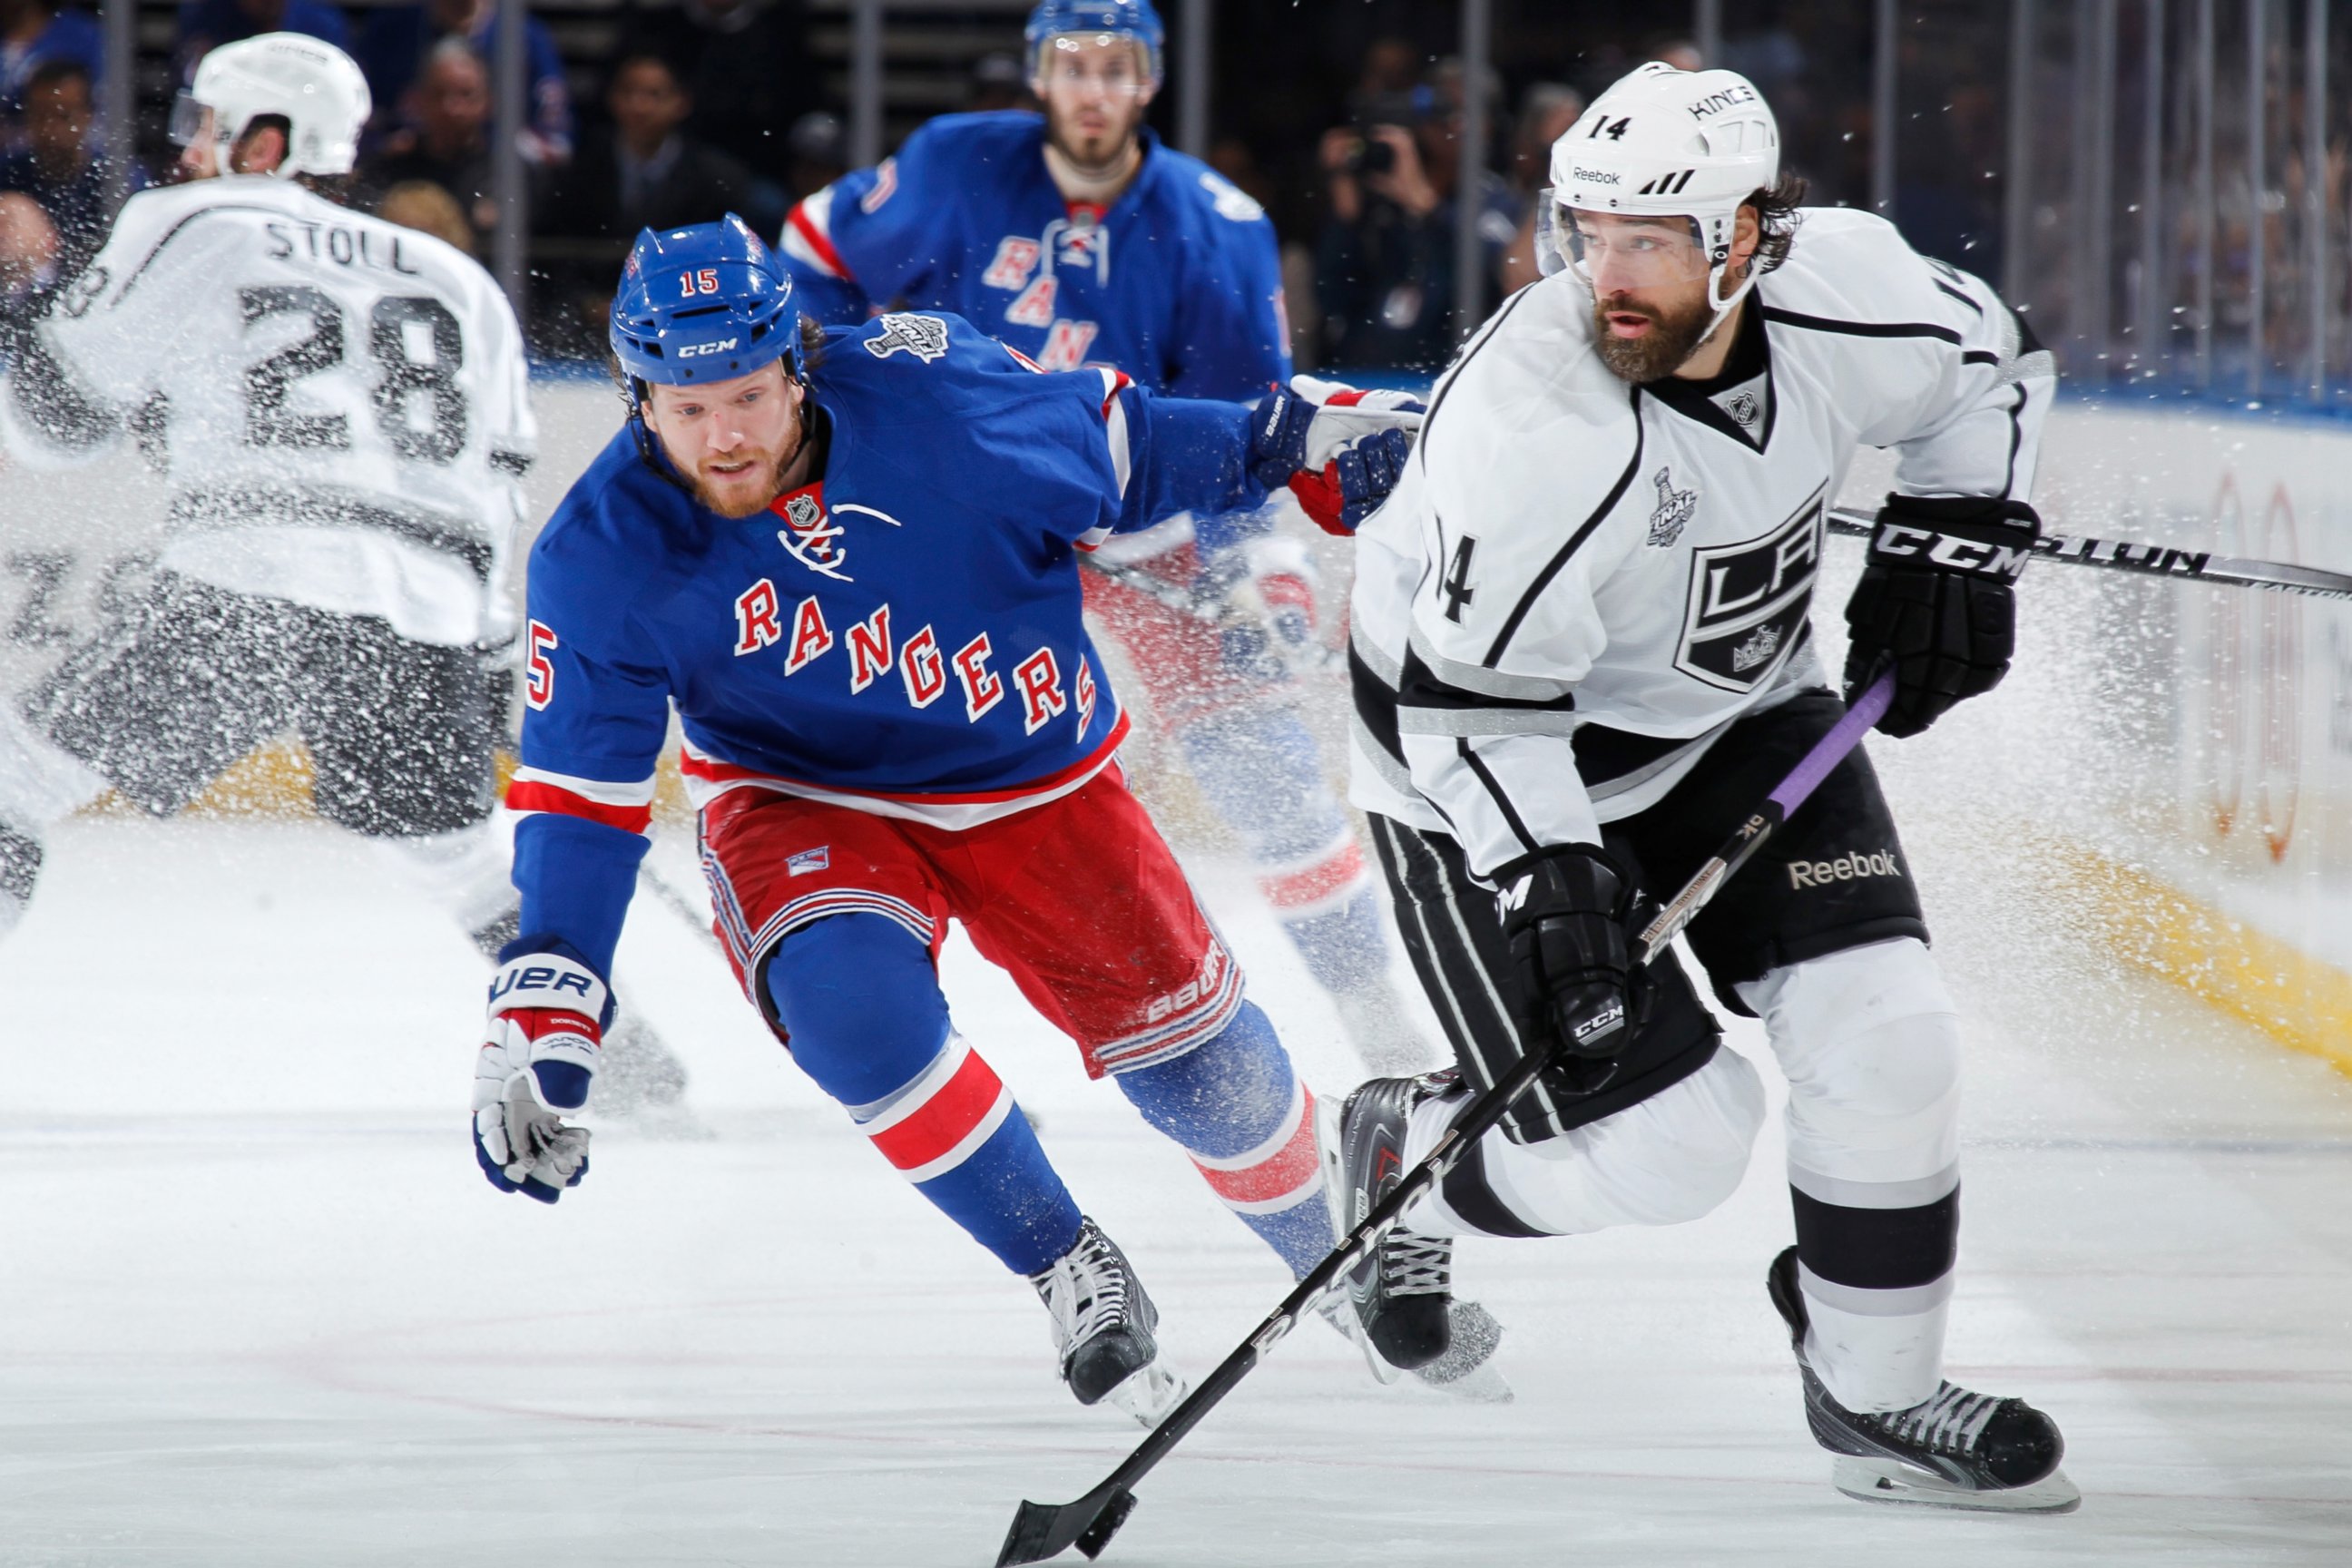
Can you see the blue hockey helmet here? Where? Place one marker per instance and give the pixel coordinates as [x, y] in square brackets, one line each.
[703, 303]
[1121, 18]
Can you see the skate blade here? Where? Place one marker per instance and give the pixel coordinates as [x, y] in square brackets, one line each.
[1149, 1394]
[1467, 1370]
[1890, 1481]
[1338, 1307]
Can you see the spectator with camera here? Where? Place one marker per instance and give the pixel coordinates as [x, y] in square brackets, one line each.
[1384, 270]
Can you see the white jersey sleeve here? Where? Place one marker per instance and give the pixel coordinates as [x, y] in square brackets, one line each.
[1940, 369]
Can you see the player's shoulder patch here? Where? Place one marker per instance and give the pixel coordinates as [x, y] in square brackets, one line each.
[896, 331]
[1230, 200]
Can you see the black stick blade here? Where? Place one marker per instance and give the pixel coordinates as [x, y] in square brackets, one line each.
[1042, 1530]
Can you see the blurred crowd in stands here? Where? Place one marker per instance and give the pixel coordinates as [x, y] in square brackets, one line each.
[691, 108]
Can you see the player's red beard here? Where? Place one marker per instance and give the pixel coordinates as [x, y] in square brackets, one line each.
[1674, 335]
[749, 489]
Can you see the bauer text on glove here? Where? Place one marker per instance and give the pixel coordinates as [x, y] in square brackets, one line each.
[536, 1067]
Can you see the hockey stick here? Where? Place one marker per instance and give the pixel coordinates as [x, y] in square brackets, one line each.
[2155, 561]
[1045, 1530]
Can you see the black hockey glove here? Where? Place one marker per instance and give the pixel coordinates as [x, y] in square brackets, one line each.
[1567, 913]
[1936, 602]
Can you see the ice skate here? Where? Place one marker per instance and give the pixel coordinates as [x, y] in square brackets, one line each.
[1398, 1306]
[1958, 1450]
[1102, 1329]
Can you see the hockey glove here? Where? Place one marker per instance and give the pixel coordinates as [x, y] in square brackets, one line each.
[1936, 602]
[535, 1068]
[1566, 914]
[1341, 450]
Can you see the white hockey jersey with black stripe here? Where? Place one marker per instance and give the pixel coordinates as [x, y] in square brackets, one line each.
[342, 404]
[1581, 582]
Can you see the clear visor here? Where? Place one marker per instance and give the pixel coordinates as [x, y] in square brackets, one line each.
[1108, 63]
[192, 122]
[1617, 251]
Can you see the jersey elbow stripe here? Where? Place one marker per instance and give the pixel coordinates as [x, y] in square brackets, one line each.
[807, 238]
[954, 1107]
[627, 806]
[1114, 411]
[1280, 1174]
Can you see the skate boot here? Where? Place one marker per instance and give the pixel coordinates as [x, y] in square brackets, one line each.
[1957, 1449]
[1102, 1329]
[1398, 1306]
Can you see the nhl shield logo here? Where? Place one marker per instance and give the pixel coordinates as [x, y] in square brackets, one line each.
[1744, 408]
[813, 539]
[1675, 509]
[925, 337]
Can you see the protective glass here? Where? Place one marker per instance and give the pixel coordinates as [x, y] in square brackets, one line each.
[192, 122]
[1620, 251]
[1108, 63]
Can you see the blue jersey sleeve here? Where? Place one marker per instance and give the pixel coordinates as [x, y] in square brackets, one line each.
[596, 715]
[875, 236]
[1233, 335]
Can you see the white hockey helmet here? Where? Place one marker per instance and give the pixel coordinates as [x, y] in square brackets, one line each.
[314, 85]
[1666, 143]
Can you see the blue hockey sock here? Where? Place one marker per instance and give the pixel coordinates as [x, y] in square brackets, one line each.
[1260, 768]
[1240, 1112]
[858, 997]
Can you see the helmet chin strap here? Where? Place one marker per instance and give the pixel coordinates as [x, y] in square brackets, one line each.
[1721, 306]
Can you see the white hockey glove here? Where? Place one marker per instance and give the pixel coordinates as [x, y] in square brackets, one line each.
[535, 1068]
[1339, 450]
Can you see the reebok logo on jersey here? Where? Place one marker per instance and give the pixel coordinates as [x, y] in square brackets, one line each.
[925, 337]
[1675, 509]
[1845, 869]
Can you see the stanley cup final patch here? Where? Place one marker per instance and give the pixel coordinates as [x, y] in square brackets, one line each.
[1748, 602]
[925, 337]
[1675, 509]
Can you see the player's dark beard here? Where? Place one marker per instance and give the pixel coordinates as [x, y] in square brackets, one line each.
[1097, 157]
[1656, 353]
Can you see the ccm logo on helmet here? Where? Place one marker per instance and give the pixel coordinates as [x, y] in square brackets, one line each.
[722, 346]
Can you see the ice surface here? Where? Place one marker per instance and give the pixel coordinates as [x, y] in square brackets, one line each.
[258, 1308]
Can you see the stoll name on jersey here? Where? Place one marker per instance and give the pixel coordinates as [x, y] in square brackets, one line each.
[344, 245]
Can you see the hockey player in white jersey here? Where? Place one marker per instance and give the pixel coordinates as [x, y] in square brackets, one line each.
[1582, 654]
[341, 407]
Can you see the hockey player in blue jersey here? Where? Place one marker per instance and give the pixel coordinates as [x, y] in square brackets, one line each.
[848, 558]
[1076, 238]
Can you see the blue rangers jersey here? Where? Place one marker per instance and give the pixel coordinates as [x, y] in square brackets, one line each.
[902, 636]
[1177, 282]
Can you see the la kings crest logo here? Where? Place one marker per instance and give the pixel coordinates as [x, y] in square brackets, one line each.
[925, 337]
[1749, 601]
[1675, 509]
